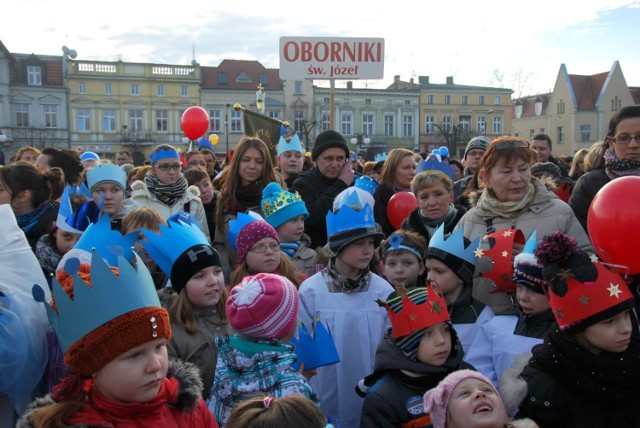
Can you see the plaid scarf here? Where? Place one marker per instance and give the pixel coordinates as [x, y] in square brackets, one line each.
[168, 194]
[338, 283]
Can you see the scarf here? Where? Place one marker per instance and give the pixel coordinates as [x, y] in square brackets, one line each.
[338, 283]
[48, 254]
[615, 168]
[28, 220]
[168, 194]
[432, 225]
[289, 248]
[608, 377]
[245, 198]
[509, 209]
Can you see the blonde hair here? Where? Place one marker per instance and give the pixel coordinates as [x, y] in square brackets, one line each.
[428, 179]
[140, 217]
[181, 311]
[285, 268]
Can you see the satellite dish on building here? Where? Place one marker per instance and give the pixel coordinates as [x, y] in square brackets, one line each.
[71, 53]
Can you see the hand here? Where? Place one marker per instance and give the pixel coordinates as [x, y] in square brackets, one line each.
[346, 174]
[308, 374]
[517, 248]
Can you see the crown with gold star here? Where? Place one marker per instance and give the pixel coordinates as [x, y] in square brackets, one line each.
[280, 206]
[501, 254]
[415, 309]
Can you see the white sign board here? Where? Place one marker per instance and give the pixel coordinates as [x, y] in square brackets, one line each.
[331, 58]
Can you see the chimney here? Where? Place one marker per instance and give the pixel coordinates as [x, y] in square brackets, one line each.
[411, 80]
[350, 84]
[449, 80]
[396, 78]
[423, 80]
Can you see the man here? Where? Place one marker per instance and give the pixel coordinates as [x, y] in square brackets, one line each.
[319, 185]
[123, 157]
[290, 158]
[472, 155]
[541, 144]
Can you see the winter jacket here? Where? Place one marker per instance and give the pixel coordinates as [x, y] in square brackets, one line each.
[381, 198]
[249, 367]
[189, 201]
[414, 223]
[318, 193]
[43, 226]
[584, 190]
[305, 259]
[177, 404]
[545, 214]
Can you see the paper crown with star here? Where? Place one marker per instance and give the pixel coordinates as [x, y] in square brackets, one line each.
[380, 157]
[75, 220]
[366, 183]
[501, 254]
[415, 309]
[293, 145]
[581, 292]
[314, 348]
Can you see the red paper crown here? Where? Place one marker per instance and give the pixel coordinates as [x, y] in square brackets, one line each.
[413, 317]
[501, 253]
[589, 298]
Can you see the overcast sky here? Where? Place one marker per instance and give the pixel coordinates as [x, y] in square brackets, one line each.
[471, 40]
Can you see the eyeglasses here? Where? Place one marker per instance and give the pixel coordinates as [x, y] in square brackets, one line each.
[262, 248]
[166, 167]
[197, 164]
[623, 140]
[511, 144]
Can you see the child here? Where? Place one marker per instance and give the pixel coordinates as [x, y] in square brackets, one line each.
[343, 296]
[262, 309]
[114, 335]
[402, 255]
[418, 352]
[286, 212]
[267, 412]
[258, 250]
[107, 183]
[587, 371]
[196, 302]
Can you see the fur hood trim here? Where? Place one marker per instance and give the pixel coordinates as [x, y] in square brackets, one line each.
[512, 387]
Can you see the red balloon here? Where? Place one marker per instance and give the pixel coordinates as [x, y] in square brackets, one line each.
[612, 223]
[194, 122]
[400, 206]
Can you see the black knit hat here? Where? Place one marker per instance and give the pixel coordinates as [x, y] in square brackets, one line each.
[191, 262]
[326, 140]
[462, 268]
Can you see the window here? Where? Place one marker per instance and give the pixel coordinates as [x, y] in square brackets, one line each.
[585, 133]
[325, 120]
[135, 89]
[274, 114]
[135, 120]
[108, 120]
[297, 87]
[407, 102]
[326, 100]
[162, 120]
[482, 125]
[560, 107]
[222, 78]
[215, 120]
[34, 75]
[465, 100]
[407, 125]
[560, 138]
[184, 91]
[298, 117]
[465, 122]
[22, 114]
[346, 124]
[108, 89]
[538, 107]
[481, 100]
[160, 90]
[496, 101]
[367, 101]
[262, 78]
[518, 110]
[84, 120]
[50, 113]
[368, 124]
[497, 125]
[447, 99]
[447, 123]
[82, 87]
[616, 104]
[429, 121]
[236, 121]
[430, 99]
[388, 124]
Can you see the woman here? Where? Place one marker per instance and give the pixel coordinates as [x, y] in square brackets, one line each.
[513, 198]
[32, 195]
[67, 160]
[250, 170]
[577, 164]
[621, 158]
[208, 195]
[165, 188]
[107, 184]
[28, 154]
[397, 173]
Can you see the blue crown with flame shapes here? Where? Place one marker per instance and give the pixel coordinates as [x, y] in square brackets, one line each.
[293, 145]
[109, 243]
[454, 244]
[164, 154]
[348, 218]
[435, 163]
[106, 172]
[108, 297]
[173, 240]
[366, 183]
[380, 157]
[68, 218]
[235, 226]
[314, 349]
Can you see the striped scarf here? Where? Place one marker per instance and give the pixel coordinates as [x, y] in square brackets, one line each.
[168, 194]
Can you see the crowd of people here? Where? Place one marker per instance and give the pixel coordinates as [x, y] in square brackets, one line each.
[283, 292]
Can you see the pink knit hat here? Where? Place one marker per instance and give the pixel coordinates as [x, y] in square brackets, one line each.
[436, 400]
[252, 233]
[263, 306]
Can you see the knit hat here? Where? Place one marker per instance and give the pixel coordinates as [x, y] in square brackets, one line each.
[279, 206]
[479, 142]
[252, 233]
[263, 306]
[526, 270]
[436, 400]
[326, 140]
[456, 252]
[546, 168]
[582, 291]
[106, 173]
[89, 156]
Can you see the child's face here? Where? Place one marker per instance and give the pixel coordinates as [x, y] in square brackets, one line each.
[435, 345]
[474, 404]
[450, 284]
[206, 190]
[65, 240]
[205, 288]
[113, 197]
[291, 162]
[134, 376]
[402, 268]
[292, 230]
[265, 261]
[531, 302]
[434, 201]
[355, 257]
[610, 335]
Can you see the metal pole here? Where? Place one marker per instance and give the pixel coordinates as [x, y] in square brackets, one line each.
[226, 125]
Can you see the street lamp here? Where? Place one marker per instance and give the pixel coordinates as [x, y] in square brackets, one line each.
[359, 140]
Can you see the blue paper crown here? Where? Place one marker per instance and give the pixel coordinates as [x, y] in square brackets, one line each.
[107, 298]
[366, 183]
[106, 172]
[65, 211]
[433, 164]
[235, 226]
[164, 154]
[531, 243]
[109, 243]
[292, 145]
[173, 240]
[395, 244]
[314, 350]
[380, 157]
[347, 218]
[454, 244]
